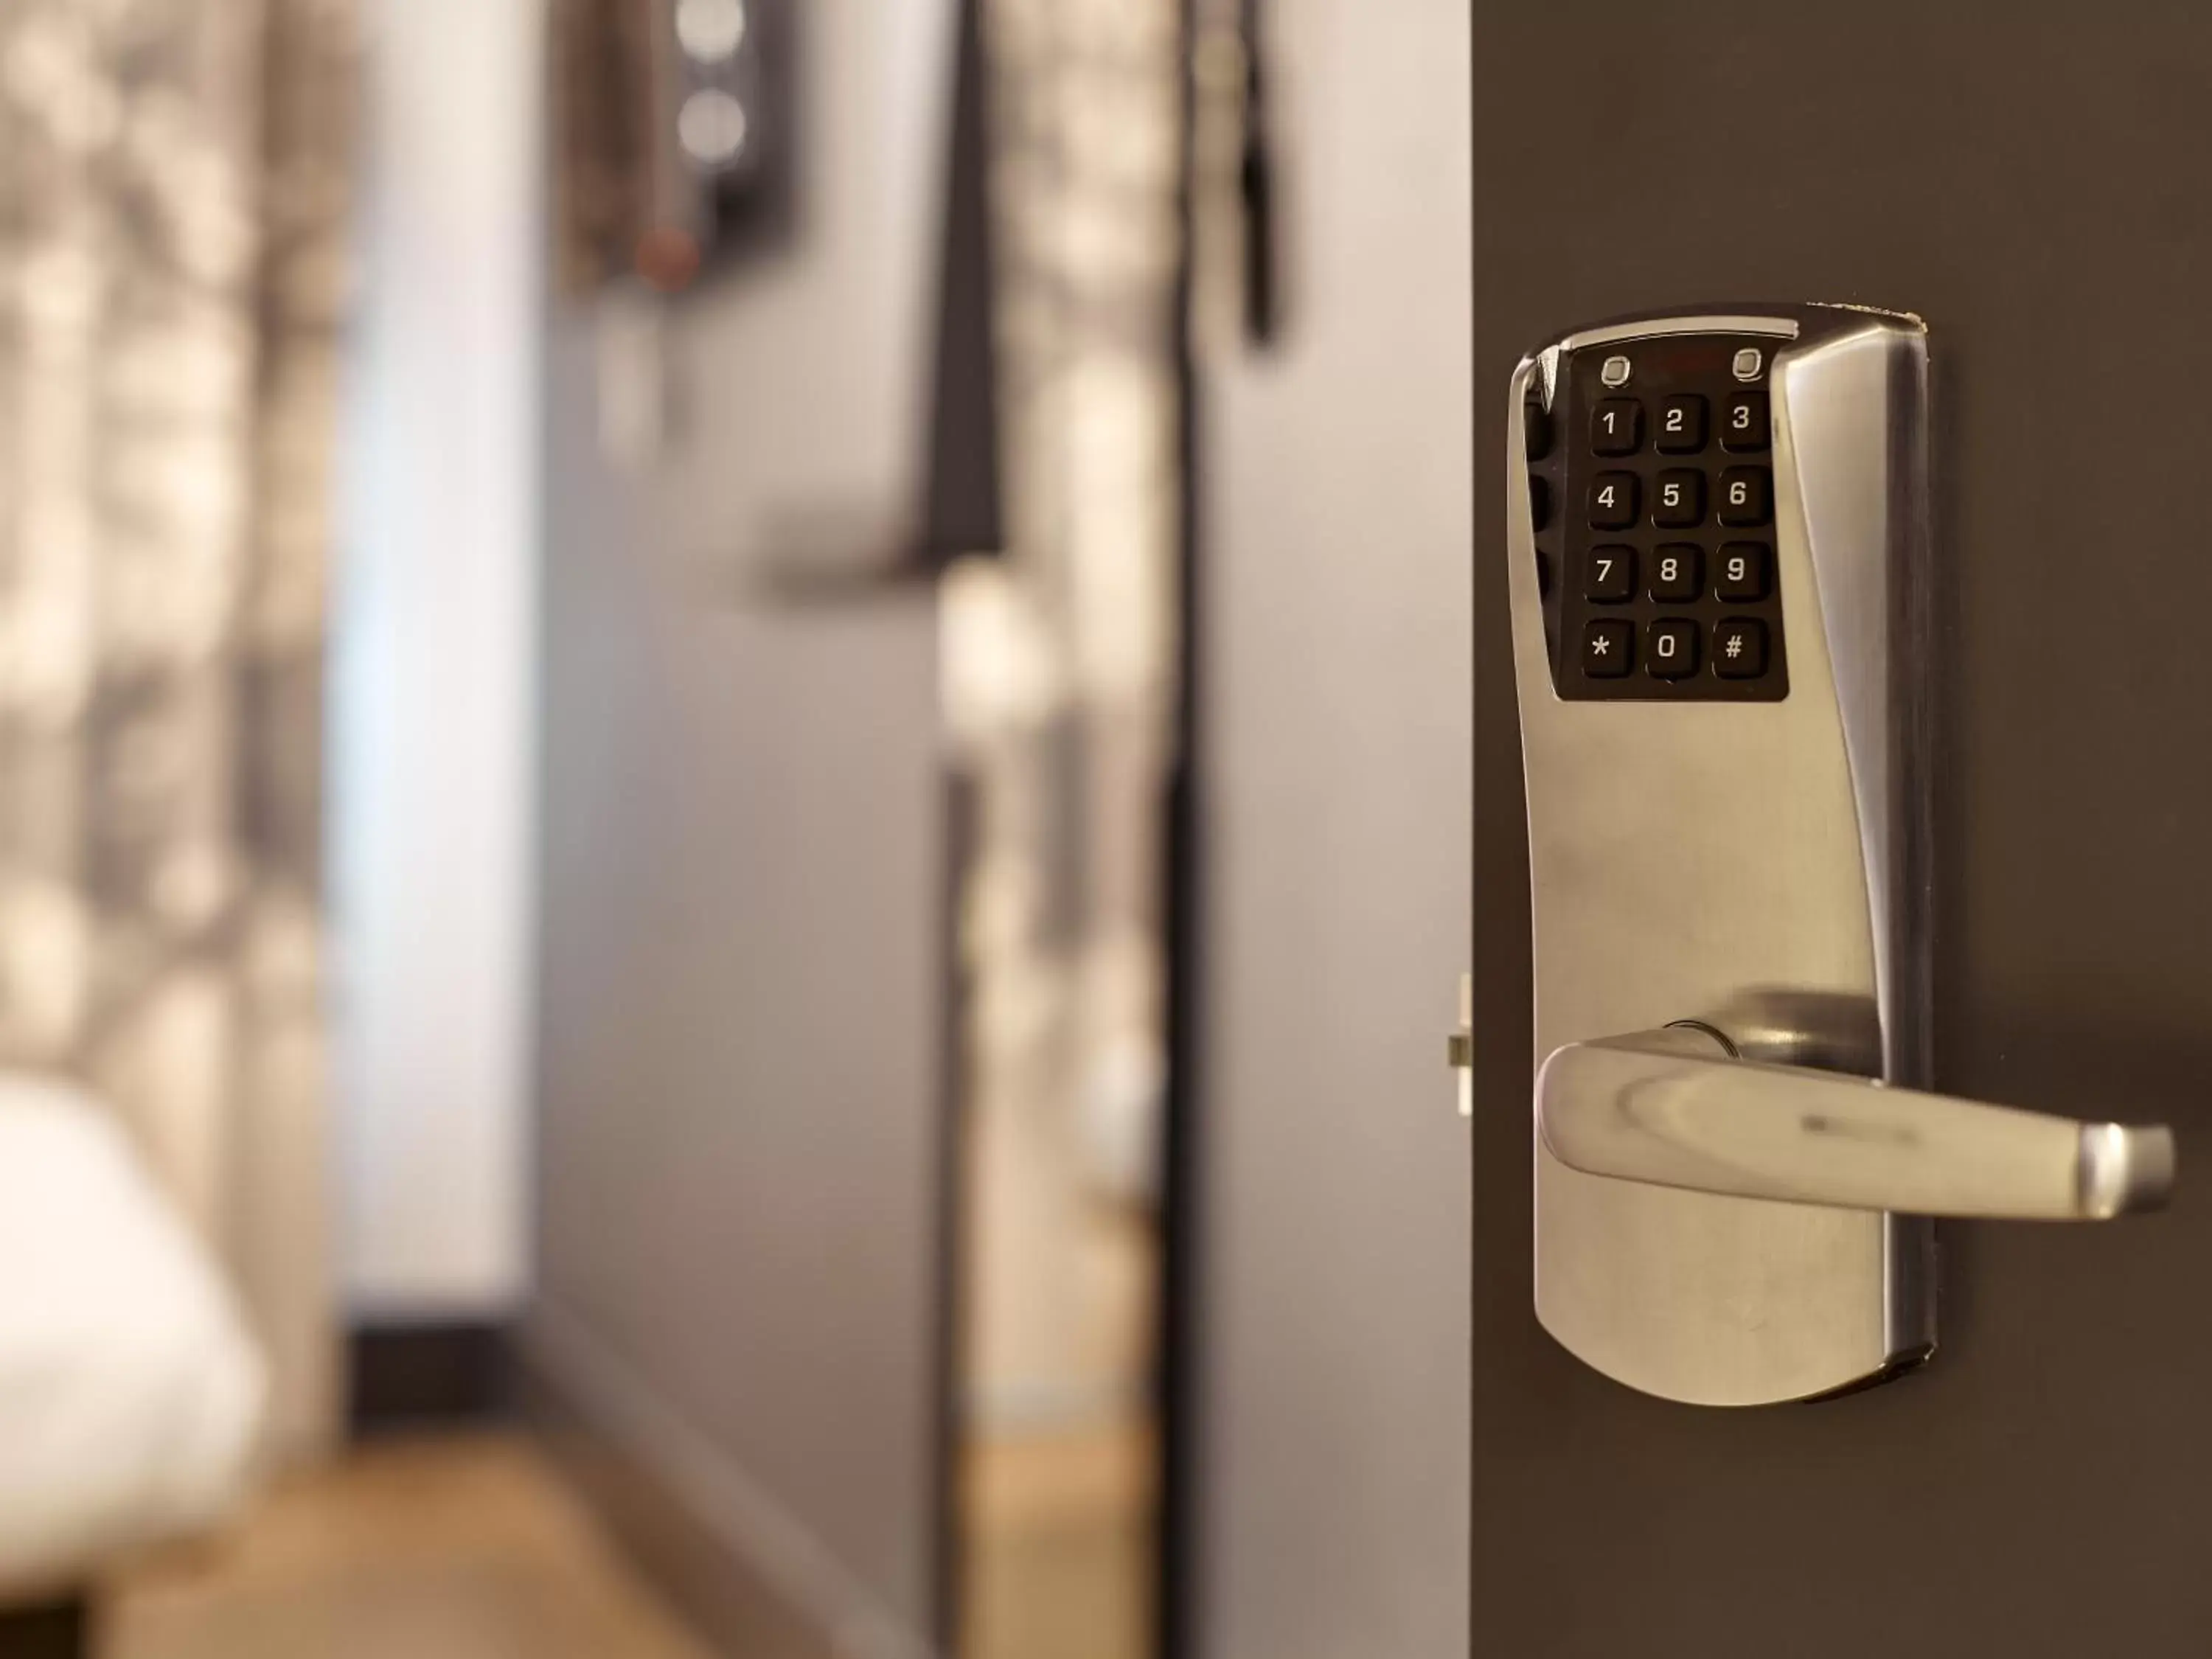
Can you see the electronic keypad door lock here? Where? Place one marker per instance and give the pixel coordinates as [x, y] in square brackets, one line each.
[1718, 542]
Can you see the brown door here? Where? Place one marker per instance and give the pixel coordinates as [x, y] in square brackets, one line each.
[2036, 183]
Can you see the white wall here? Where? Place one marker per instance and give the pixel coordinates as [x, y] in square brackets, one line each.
[432, 762]
[1339, 733]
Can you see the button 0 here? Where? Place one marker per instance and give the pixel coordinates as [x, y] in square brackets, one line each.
[1740, 648]
[1617, 426]
[1678, 501]
[1746, 495]
[1671, 650]
[1613, 501]
[1608, 649]
[1682, 425]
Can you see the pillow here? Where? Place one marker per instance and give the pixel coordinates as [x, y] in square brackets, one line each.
[131, 1395]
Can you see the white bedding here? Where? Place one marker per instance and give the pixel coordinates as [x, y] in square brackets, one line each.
[130, 1392]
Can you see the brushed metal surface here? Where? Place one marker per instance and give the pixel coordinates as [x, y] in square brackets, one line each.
[1685, 858]
[1676, 1108]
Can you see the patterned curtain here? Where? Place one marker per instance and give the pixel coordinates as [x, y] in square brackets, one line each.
[173, 185]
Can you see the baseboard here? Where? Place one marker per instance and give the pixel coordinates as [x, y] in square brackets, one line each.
[407, 1379]
[59, 1630]
[743, 1574]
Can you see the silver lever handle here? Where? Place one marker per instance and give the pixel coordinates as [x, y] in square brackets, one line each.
[1672, 1108]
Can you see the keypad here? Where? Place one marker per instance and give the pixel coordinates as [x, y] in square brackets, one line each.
[1659, 501]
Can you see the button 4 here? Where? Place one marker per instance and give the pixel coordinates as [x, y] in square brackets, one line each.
[1613, 501]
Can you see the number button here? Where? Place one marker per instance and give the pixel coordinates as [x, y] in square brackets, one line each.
[1677, 575]
[1613, 501]
[1678, 503]
[1610, 574]
[1746, 495]
[1742, 576]
[1608, 649]
[1671, 650]
[1617, 426]
[1745, 428]
[1740, 648]
[1682, 425]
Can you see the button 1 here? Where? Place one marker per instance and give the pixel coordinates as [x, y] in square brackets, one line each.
[1682, 425]
[1672, 650]
[1613, 501]
[1617, 426]
[1745, 427]
[1746, 495]
[1610, 574]
[1740, 648]
[1677, 572]
[1678, 501]
[1608, 649]
[1742, 574]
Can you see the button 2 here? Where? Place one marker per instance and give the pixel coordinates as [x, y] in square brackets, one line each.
[1740, 648]
[1682, 425]
[1672, 650]
[1608, 649]
[1610, 574]
[1613, 501]
[1746, 495]
[1679, 503]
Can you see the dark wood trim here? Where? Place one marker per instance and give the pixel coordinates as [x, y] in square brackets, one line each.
[54, 1630]
[406, 1378]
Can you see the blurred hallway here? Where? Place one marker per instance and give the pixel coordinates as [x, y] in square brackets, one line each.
[465, 1548]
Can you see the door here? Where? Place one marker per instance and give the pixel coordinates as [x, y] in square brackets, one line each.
[2031, 183]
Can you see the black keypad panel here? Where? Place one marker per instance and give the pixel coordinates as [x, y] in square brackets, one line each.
[1658, 512]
